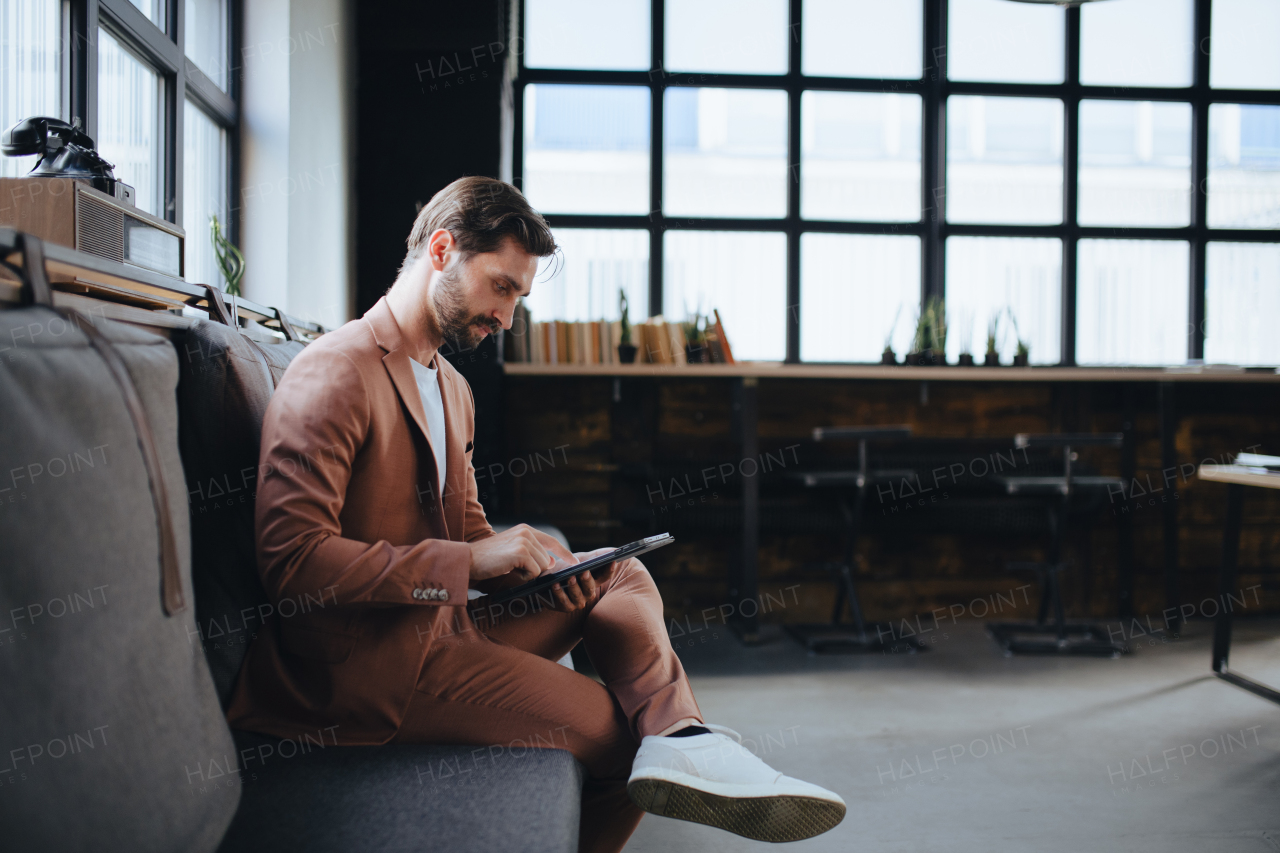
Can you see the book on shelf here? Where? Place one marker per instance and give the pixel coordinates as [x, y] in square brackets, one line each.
[596, 341]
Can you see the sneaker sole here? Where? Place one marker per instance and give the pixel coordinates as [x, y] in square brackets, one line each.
[776, 819]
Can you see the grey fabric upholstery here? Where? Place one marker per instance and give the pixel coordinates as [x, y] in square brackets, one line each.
[315, 796]
[403, 798]
[103, 699]
[223, 392]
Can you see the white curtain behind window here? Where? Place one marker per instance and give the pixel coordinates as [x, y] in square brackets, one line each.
[29, 63]
[204, 190]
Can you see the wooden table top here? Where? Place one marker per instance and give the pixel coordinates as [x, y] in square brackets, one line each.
[1242, 475]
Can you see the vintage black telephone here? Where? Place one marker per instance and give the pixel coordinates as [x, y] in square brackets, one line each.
[65, 151]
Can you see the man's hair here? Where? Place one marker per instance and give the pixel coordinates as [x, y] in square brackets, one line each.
[480, 213]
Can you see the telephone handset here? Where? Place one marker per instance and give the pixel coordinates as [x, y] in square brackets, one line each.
[65, 151]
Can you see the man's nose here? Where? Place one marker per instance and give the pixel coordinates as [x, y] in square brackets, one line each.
[504, 316]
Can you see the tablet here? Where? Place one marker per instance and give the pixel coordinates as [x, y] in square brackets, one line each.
[545, 582]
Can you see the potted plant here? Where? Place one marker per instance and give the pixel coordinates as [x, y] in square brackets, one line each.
[888, 356]
[930, 346]
[966, 340]
[992, 358]
[695, 340]
[1022, 357]
[626, 349]
[230, 261]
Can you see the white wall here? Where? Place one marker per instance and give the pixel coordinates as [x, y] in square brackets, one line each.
[295, 198]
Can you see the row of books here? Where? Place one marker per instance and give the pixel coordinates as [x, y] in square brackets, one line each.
[656, 341]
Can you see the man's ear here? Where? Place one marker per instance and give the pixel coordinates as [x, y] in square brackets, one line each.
[439, 245]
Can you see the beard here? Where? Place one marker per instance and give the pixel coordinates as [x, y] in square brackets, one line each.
[456, 319]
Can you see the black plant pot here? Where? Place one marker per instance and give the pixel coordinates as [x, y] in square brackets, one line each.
[694, 354]
[926, 358]
[965, 360]
[627, 353]
[992, 360]
[1022, 360]
[887, 357]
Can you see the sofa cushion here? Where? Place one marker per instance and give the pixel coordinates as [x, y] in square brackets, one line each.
[310, 795]
[99, 690]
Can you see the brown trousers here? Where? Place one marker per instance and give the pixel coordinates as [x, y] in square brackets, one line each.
[494, 681]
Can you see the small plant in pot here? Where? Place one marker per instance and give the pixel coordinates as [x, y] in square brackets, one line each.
[966, 339]
[626, 349]
[1022, 356]
[992, 358]
[695, 340]
[888, 356]
[930, 345]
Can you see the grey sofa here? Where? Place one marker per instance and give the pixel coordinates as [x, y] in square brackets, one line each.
[311, 795]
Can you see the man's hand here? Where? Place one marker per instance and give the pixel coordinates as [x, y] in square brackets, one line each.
[581, 591]
[519, 551]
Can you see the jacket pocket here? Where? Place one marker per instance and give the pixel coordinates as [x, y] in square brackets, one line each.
[315, 644]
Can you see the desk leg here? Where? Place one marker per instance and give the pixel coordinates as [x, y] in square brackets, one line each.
[1227, 575]
[1124, 528]
[744, 585]
[1168, 462]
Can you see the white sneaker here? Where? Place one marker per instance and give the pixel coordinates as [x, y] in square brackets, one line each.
[714, 779]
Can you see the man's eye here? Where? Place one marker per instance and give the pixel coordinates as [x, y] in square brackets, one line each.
[502, 288]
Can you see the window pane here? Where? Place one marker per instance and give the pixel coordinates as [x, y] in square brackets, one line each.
[1137, 43]
[1135, 163]
[612, 36]
[1242, 302]
[129, 98]
[206, 37]
[1244, 166]
[582, 282]
[29, 75]
[863, 38]
[586, 148]
[1003, 42]
[204, 190]
[856, 291]
[1131, 302]
[727, 36]
[742, 274]
[861, 156]
[1006, 277]
[1244, 54]
[1004, 160]
[725, 153]
[153, 9]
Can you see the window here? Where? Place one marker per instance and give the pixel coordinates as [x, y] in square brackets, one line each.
[816, 168]
[30, 82]
[163, 114]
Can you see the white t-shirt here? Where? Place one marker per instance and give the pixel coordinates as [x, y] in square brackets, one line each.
[433, 405]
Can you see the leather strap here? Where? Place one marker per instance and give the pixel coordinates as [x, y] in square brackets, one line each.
[290, 334]
[218, 307]
[37, 287]
[170, 575]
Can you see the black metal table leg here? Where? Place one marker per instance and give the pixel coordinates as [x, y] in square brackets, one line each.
[1227, 575]
[1226, 585]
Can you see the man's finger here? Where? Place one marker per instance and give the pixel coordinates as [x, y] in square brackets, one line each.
[562, 600]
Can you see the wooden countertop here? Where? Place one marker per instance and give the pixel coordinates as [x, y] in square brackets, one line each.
[1240, 475]
[778, 370]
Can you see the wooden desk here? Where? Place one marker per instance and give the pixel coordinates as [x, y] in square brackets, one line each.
[1236, 477]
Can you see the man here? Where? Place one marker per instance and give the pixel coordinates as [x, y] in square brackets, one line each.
[372, 500]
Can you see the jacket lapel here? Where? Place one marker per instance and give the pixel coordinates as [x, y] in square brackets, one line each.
[387, 333]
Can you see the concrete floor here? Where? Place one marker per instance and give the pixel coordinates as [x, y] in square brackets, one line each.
[961, 749]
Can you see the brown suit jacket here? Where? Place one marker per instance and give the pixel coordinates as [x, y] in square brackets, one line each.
[362, 560]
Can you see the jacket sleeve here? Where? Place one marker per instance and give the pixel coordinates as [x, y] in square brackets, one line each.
[315, 425]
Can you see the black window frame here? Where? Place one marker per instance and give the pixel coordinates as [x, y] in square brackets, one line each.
[934, 88]
[164, 50]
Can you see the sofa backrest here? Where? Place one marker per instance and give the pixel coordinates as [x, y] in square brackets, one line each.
[224, 386]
